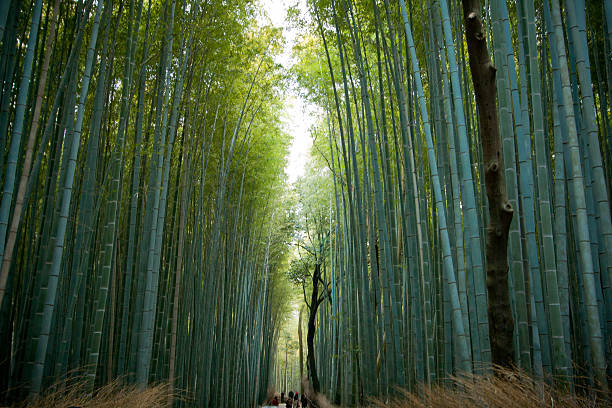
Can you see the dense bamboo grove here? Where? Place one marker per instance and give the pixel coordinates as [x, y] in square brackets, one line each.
[140, 225]
[402, 149]
[148, 236]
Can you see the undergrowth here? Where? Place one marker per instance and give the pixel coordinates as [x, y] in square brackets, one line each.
[112, 395]
[505, 389]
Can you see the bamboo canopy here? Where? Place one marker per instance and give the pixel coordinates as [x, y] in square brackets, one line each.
[454, 214]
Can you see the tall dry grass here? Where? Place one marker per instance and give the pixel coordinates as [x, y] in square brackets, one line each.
[506, 389]
[113, 395]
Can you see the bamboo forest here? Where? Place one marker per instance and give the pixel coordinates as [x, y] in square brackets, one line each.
[305, 203]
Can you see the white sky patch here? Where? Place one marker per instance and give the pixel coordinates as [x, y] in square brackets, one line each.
[299, 114]
[299, 117]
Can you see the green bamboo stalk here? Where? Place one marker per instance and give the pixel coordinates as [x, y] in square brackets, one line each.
[53, 273]
[586, 260]
[447, 256]
[18, 128]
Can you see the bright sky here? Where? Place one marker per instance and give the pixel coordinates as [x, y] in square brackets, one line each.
[299, 115]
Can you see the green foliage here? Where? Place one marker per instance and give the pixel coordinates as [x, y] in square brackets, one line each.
[401, 144]
[176, 231]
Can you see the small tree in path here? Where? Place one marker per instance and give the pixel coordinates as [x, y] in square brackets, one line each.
[313, 226]
[315, 300]
[300, 273]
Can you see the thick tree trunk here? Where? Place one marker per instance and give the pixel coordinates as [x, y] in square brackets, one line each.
[314, 305]
[501, 323]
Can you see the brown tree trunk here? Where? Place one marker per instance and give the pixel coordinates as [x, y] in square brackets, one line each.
[501, 323]
[314, 305]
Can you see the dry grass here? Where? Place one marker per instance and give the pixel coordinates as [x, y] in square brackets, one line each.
[507, 389]
[316, 400]
[113, 395]
[270, 393]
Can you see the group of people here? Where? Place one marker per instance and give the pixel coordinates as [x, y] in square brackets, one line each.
[294, 400]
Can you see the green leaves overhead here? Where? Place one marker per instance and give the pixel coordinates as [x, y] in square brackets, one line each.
[151, 234]
[410, 214]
